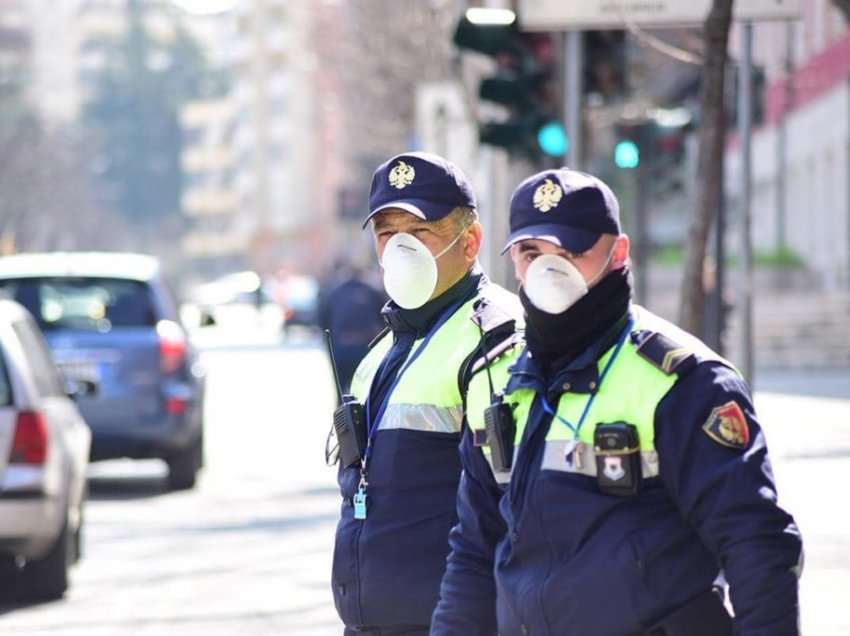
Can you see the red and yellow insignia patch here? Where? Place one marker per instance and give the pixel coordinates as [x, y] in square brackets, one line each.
[727, 426]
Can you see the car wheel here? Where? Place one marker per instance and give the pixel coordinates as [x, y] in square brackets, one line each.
[183, 466]
[47, 578]
[9, 575]
[78, 534]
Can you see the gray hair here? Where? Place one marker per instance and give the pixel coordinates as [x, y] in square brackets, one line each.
[464, 217]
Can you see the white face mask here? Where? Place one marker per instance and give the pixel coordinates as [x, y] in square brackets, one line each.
[554, 284]
[410, 270]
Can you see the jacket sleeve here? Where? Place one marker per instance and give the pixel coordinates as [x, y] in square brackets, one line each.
[715, 464]
[467, 605]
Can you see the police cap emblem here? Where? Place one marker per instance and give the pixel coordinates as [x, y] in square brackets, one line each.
[402, 175]
[727, 426]
[547, 195]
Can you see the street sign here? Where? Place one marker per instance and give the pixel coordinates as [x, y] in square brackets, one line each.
[555, 15]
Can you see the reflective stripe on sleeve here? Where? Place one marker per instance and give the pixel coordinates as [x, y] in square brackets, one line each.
[422, 417]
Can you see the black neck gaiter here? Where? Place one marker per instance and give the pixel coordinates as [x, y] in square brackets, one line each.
[553, 337]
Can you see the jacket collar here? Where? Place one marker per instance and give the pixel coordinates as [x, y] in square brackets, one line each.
[579, 374]
[418, 321]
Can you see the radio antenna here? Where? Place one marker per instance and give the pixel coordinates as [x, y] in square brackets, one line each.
[487, 363]
[329, 343]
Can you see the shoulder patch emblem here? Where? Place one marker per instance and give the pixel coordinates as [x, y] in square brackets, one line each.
[663, 353]
[727, 426]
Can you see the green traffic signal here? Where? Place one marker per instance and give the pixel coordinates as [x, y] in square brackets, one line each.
[626, 154]
[552, 139]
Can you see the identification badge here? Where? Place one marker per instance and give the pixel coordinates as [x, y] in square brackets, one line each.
[572, 454]
[359, 501]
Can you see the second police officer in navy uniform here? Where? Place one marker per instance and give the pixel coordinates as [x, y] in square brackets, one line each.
[399, 487]
[619, 468]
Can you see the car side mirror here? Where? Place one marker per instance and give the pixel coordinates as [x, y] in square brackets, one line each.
[75, 389]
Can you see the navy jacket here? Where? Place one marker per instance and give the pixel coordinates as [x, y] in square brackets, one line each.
[552, 555]
[387, 568]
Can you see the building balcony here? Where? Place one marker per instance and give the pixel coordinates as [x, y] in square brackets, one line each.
[209, 202]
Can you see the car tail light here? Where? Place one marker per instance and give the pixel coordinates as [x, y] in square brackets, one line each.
[172, 345]
[175, 406]
[30, 443]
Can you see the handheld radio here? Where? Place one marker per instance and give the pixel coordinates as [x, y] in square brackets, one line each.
[498, 422]
[349, 422]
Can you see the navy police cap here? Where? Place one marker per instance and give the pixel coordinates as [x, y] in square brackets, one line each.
[566, 207]
[421, 183]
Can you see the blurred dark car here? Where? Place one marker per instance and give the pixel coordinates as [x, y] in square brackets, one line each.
[110, 320]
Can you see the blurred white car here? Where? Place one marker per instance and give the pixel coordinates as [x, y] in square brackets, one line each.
[236, 302]
[44, 451]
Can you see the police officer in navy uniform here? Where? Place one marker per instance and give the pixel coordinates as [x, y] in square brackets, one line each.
[398, 500]
[628, 469]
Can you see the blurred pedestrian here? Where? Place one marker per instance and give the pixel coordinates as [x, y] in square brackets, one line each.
[398, 499]
[351, 310]
[627, 468]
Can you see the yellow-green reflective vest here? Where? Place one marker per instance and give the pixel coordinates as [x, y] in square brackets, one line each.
[630, 393]
[427, 397]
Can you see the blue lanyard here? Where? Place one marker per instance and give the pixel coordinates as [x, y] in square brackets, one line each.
[372, 424]
[577, 428]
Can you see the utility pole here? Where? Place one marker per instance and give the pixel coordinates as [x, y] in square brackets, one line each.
[573, 87]
[782, 138]
[745, 75]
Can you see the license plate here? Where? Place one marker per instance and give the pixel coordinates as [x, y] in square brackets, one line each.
[81, 371]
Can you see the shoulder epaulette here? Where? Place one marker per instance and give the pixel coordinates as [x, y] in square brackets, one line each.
[663, 352]
[494, 352]
[495, 308]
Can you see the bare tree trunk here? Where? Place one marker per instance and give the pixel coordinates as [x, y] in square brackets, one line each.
[844, 7]
[712, 136]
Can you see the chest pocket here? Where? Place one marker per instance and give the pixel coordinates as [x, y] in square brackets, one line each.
[630, 393]
[568, 456]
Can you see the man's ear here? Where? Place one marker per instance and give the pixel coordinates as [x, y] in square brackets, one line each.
[472, 244]
[620, 257]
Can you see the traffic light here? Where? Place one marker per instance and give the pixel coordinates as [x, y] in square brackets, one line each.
[657, 144]
[523, 83]
[605, 64]
[626, 154]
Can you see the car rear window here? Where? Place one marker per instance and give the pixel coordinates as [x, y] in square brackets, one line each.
[5, 385]
[88, 304]
[44, 372]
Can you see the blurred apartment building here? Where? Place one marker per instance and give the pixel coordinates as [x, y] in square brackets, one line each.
[15, 45]
[33, 47]
[251, 187]
[259, 159]
[801, 196]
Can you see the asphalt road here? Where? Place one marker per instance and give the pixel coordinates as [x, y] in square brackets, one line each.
[249, 551]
